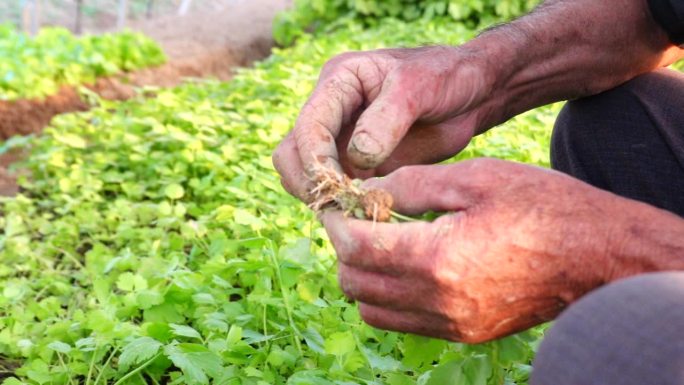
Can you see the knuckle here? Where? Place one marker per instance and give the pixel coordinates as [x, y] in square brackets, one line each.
[340, 59]
[287, 187]
[277, 158]
[339, 86]
[480, 164]
[345, 244]
[411, 178]
[346, 283]
[404, 174]
[473, 337]
[345, 251]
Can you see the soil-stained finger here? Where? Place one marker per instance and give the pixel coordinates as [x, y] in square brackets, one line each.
[393, 292]
[287, 162]
[406, 321]
[392, 248]
[332, 105]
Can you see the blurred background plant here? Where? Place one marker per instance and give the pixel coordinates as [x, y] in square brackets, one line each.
[322, 15]
[93, 15]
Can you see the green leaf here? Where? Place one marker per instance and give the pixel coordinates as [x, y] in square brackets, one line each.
[314, 340]
[148, 298]
[234, 334]
[300, 253]
[60, 346]
[511, 349]
[12, 381]
[477, 370]
[72, 140]
[131, 282]
[399, 379]
[450, 372]
[185, 331]
[197, 362]
[203, 299]
[421, 351]
[381, 363]
[244, 217]
[340, 343]
[138, 351]
[309, 377]
[174, 191]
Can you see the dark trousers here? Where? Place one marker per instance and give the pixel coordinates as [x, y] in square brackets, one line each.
[630, 141]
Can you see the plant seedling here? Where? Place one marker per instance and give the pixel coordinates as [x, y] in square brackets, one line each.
[335, 190]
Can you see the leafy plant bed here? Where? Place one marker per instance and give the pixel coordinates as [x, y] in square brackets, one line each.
[38, 67]
[152, 243]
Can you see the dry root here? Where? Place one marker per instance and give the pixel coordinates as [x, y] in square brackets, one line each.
[339, 191]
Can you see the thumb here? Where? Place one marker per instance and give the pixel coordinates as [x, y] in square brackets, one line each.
[381, 127]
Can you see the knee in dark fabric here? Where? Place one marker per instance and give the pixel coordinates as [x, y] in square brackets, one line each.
[629, 140]
[585, 126]
[630, 332]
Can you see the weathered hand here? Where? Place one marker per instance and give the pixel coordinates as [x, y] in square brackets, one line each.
[519, 244]
[373, 112]
[423, 105]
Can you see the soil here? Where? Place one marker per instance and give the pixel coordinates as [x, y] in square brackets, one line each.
[206, 43]
[8, 185]
[377, 205]
[7, 367]
[338, 191]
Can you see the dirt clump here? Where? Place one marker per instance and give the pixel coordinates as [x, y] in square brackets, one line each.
[338, 191]
[377, 204]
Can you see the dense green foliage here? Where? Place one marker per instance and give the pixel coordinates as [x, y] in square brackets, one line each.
[152, 243]
[321, 14]
[37, 67]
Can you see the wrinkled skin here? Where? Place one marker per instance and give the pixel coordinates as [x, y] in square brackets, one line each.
[500, 261]
[426, 102]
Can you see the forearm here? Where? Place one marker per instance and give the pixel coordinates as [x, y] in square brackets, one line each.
[568, 49]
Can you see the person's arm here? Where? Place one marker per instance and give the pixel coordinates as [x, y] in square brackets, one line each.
[517, 246]
[570, 49]
[373, 112]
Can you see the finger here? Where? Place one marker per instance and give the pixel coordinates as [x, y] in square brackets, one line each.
[423, 324]
[384, 123]
[417, 189]
[332, 104]
[288, 164]
[392, 248]
[379, 289]
[429, 144]
[422, 144]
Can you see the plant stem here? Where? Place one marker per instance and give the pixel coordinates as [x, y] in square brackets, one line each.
[66, 368]
[286, 302]
[92, 366]
[106, 364]
[154, 381]
[402, 217]
[137, 370]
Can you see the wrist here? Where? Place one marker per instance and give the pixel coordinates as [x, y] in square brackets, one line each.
[647, 239]
[566, 50]
[496, 58]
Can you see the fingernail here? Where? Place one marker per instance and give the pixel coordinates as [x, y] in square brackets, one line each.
[366, 144]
